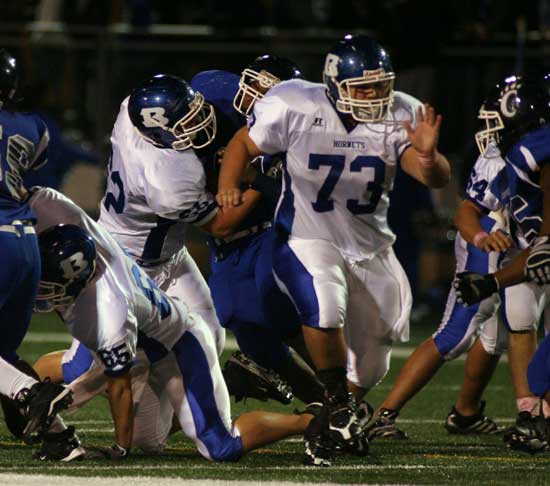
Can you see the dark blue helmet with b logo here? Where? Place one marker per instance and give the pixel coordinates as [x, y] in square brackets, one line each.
[355, 65]
[167, 112]
[68, 256]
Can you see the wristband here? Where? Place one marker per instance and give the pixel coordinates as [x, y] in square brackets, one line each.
[478, 237]
[427, 161]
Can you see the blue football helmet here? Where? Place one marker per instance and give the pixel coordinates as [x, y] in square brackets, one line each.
[358, 64]
[262, 74]
[68, 255]
[513, 108]
[8, 76]
[167, 112]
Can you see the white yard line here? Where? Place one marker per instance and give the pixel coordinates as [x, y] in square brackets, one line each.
[44, 480]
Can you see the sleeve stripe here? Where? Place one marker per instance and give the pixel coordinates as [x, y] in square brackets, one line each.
[208, 215]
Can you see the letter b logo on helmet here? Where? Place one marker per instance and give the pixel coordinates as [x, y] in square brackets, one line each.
[154, 117]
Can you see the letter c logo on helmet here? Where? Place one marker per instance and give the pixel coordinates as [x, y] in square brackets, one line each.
[508, 105]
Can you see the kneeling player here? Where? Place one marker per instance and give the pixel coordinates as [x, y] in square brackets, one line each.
[112, 307]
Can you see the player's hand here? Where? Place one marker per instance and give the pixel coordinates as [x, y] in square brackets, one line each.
[229, 198]
[496, 241]
[537, 267]
[425, 136]
[471, 287]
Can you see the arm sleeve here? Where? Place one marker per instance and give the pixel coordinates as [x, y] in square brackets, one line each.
[268, 125]
[482, 186]
[176, 189]
[117, 339]
[41, 153]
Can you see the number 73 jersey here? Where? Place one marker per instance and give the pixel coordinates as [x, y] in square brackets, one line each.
[336, 182]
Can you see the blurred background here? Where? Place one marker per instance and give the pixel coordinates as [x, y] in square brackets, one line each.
[79, 58]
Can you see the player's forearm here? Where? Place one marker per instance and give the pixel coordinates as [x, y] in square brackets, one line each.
[514, 272]
[122, 408]
[236, 157]
[467, 221]
[228, 219]
[435, 173]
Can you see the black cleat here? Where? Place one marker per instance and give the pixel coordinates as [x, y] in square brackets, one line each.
[364, 413]
[384, 427]
[60, 446]
[319, 449]
[15, 420]
[530, 434]
[345, 428]
[478, 424]
[247, 379]
[40, 404]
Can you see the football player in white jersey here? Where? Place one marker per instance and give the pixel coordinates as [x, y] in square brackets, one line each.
[110, 305]
[157, 185]
[343, 140]
[480, 244]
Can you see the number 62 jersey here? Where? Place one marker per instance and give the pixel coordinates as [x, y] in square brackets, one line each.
[336, 182]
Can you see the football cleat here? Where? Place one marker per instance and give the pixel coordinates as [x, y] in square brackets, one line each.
[319, 449]
[364, 413]
[478, 424]
[530, 434]
[60, 446]
[344, 425]
[384, 426]
[40, 404]
[15, 420]
[247, 379]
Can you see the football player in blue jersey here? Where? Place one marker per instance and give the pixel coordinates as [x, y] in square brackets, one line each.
[246, 297]
[517, 119]
[29, 405]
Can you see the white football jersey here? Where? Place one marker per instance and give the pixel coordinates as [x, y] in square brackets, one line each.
[121, 301]
[336, 182]
[487, 180]
[152, 193]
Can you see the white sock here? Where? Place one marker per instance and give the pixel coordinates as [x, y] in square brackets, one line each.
[12, 381]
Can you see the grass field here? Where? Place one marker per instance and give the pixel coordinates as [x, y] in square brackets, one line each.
[430, 456]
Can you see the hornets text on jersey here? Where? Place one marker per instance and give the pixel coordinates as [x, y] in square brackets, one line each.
[344, 177]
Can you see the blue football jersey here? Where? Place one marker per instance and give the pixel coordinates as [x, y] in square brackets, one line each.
[23, 146]
[219, 89]
[523, 164]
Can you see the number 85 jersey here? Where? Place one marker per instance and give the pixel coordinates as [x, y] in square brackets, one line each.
[336, 182]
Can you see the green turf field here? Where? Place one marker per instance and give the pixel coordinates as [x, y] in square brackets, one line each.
[430, 456]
